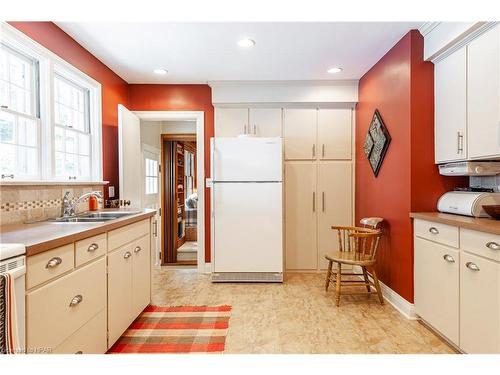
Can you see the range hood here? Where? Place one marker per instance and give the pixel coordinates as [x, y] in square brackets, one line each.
[470, 168]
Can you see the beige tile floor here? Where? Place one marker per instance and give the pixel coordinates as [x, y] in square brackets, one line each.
[298, 316]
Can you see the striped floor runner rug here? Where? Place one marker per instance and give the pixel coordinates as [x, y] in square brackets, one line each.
[181, 329]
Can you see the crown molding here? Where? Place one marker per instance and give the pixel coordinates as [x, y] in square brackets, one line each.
[296, 83]
[427, 27]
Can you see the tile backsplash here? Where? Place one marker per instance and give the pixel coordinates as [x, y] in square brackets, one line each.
[22, 203]
[486, 182]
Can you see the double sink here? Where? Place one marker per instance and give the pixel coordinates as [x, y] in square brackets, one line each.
[94, 217]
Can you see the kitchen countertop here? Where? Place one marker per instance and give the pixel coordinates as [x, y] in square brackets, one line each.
[481, 224]
[44, 235]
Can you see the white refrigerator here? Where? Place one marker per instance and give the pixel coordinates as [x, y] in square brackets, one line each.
[247, 209]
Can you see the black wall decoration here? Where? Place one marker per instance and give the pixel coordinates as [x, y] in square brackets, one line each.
[376, 142]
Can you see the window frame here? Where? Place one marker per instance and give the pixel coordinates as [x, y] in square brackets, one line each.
[50, 65]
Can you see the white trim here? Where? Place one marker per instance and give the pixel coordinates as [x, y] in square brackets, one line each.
[199, 117]
[444, 39]
[49, 63]
[208, 268]
[52, 183]
[325, 82]
[427, 27]
[407, 309]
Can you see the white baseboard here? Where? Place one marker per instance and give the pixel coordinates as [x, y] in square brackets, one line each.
[406, 308]
[208, 267]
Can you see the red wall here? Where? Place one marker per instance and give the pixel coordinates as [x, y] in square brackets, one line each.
[114, 89]
[401, 87]
[180, 98]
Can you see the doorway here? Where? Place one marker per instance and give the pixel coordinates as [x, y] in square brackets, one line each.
[179, 199]
[131, 126]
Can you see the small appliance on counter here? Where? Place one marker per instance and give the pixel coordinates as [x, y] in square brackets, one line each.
[470, 168]
[468, 203]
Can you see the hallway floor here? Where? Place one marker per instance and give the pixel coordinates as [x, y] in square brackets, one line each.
[298, 316]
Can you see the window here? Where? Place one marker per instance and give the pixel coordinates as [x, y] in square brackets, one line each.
[50, 115]
[19, 118]
[71, 129]
[151, 175]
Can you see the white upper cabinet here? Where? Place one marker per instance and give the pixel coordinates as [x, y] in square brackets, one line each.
[334, 134]
[299, 132]
[483, 97]
[265, 122]
[231, 122]
[450, 107]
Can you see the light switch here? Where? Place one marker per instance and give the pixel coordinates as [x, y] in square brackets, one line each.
[111, 191]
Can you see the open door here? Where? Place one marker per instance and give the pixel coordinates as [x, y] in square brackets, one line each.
[129, 157]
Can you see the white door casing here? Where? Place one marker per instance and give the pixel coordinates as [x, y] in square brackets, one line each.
[129, 156]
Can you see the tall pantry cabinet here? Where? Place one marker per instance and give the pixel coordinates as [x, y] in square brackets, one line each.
[318, 183]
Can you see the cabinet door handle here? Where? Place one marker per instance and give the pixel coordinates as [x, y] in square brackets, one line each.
[155, 228]
[314, 150]
[472, 266]
[255, 129]
[79, 352]
[245, 129]
[54, 262]
[449, 258]
[93, 247]
[323, 201]
[314, 201]
[493, 246]
[323, 150]
[127, 255]
[460, 139]
[76, 300]
[433, 230]
[137, 249]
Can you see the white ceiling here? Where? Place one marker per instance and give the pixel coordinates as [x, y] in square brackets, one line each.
[201, 52]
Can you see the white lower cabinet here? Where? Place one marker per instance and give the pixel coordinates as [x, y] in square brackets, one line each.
[141, 276]
[458, 293]
[119, 292]
[87, 304]
[436, 286]
[479, 305]
[129, 284]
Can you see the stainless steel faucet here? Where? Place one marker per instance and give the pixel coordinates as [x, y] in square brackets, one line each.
[69, 208]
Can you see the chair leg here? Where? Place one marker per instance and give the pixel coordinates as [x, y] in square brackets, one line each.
[365, 276]
[338, 282]
[377, 286]
[328, 275]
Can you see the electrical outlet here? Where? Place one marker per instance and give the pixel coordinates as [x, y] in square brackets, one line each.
[111, 192]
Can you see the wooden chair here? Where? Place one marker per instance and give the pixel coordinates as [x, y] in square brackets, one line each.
[357, 247]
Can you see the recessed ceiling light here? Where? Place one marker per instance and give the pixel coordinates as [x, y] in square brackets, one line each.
[334, 70]
[246, 43]
[160, 71]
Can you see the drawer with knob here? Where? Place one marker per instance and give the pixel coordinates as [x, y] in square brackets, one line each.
[437, 232]
[89, 339]
[480, 243]
[48, 265]
[90, 248]
[56, 310]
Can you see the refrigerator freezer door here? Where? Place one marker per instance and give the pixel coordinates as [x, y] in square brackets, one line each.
[247, 159]
[248, 221]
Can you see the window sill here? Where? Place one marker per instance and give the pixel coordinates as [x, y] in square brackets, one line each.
[51, 183]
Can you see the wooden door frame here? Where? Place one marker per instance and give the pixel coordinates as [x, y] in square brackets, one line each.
[165, 190]
[199, 118]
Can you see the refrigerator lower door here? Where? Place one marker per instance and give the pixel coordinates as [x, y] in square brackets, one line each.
[248, 224]
[247, 159]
